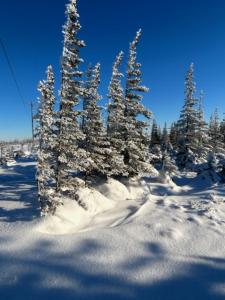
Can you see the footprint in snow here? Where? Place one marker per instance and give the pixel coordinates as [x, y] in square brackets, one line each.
[177, 220]
[175, 206]
[171, 233]
[194, 220]
[160, 202]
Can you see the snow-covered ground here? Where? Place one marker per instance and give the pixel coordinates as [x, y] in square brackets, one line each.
[130, 244]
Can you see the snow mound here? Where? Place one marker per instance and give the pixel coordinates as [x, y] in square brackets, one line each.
[95, 201]
[137, 188]
[71, 217]
[114, 190]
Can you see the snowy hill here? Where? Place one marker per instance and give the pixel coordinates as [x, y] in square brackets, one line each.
[130, 244]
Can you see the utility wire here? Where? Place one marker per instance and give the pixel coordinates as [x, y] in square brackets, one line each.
[12, 71]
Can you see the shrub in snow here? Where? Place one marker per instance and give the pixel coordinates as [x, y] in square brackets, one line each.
[209, 170]
[168, 168]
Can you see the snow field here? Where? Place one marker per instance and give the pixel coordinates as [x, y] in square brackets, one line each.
[165, 245]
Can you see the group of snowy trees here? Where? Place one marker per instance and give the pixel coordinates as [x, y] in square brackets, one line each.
[191, 142]
[75, 141]
[80, 140]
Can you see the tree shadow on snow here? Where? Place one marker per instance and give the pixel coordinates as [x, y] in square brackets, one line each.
[79, 274]
[20, 191]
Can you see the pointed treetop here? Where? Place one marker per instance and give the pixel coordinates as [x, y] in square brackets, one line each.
[118, 59]
[96, 71]
[72, 7]
[136, 39]
[117, 63]
[50, 74]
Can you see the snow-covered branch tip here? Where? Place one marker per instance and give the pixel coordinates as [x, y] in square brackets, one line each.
[71, 8]
[136, 39]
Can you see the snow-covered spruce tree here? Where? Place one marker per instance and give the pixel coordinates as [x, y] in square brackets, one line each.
[188, 122]
[155, 145]
[97, 145]
[210, 169]
[168, 168]
[48, 141]
[222, 131]
[203, 146]
[215, 136]
[71, 157]
[116, 122]
[165, 140]
[155, 135]
[136, 150]
[86, 95]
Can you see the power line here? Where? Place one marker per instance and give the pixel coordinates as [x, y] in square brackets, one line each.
[12, 71]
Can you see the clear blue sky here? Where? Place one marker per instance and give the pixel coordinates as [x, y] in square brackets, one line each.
[175, 33]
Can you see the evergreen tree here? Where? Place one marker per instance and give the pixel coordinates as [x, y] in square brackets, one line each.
[155, 135]
[70, 155]
[97, 146]
[168, 168]
[116, 124]
[136, 154]
[202, 131]
[86, 95]
[215, 136]
[222, 131]
[188, 122]
[165, 140]
[47, 155]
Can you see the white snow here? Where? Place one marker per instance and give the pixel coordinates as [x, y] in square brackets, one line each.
[130, 244]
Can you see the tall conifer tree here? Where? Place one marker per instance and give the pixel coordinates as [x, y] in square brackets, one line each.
[71, 155]
[136, 153]
[48, 141]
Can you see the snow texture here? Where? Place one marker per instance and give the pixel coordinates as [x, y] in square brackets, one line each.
[129, 244]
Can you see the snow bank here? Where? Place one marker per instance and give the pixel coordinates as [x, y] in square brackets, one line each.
[114, 190]
[95, 201]
[137, 188]
[71, 217]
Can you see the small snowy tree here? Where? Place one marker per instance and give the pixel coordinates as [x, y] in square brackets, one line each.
[116, 122]
[215, 136]
[71, 156]
[188, 122]
[168, 168]
[165, 140]
[136, 151]
[222, 131]
[210, 169]
[173, 135]
[155, 135]
[48, 141]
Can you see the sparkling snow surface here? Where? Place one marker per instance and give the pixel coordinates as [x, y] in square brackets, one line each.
[130, 244]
